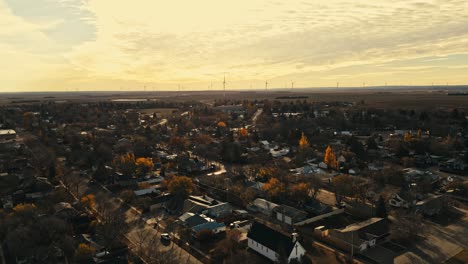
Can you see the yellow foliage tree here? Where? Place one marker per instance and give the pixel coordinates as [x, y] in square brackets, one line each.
[274, 188]
[419, 133]
[303, 142]
[330, 158]
[221, 124]
[144, 165]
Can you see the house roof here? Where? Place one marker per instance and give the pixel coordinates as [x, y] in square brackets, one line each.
[376, 226]
[262, 203]
[290, 211]
[208, 225]
[196, 220]
[270, 238]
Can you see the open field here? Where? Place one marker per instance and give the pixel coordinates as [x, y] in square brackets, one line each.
[380, 98]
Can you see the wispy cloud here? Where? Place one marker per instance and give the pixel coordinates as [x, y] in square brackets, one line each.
[314, 42]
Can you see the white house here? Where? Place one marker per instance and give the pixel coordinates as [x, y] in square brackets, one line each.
[271, 243]
[263, 206]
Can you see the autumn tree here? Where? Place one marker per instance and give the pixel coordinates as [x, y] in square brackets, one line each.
[408, 137]
[178, 143]
[419, 133]
[274, 188]
[84, 253]
[243, 132]
[180, 186]
[126, 164]
[266, 173]
[303, 142]
[89, 200]
[330, 158]
[300, 192]
[144, 166]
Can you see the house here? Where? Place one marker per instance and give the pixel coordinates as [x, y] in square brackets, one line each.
[65, 211]
[214, 227]
[271, 243]
[289, 215]
[323, 165]
[263, 206]
[191, 220]
[316, 207]
[401, 199]
[360, 236]
[431, 205]
[454, 166]
[6, 134]
[207, 205]
[276, 153]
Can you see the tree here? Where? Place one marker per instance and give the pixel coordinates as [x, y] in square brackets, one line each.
[303, 142]
[342, 185]
[381, 210]
[84, 254]
[317, 184]
[419, 133]
[243, 132]
[89, 201]
[408, 137]
[126, 164]
[300, 192]
[180, 186]
[330, 158]
[144, 166]
[274, 188]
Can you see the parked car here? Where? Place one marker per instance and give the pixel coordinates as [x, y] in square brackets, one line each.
[165, 237]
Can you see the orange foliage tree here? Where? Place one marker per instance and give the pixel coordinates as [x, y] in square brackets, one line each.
[408, 137]
[303, 142]
[243, 132]
[266, 173]
[330, 158]
[89, 200]
[274, 188]
[144, 165]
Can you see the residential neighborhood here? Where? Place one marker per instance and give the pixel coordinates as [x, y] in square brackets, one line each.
[250, 180]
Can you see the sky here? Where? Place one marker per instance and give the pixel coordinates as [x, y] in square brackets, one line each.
[67, 45]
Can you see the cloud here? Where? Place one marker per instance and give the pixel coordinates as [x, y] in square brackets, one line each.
[195, 42]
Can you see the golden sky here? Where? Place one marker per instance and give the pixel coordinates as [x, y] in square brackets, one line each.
[50, 45]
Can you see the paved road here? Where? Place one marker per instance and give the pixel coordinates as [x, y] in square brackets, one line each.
[140, 233]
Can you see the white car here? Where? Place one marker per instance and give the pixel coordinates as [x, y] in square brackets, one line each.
[166, 237]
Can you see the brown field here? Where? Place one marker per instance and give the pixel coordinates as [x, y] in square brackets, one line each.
[379, 98]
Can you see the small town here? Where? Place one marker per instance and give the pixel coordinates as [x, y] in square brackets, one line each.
[234, 132]
[256, 181]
